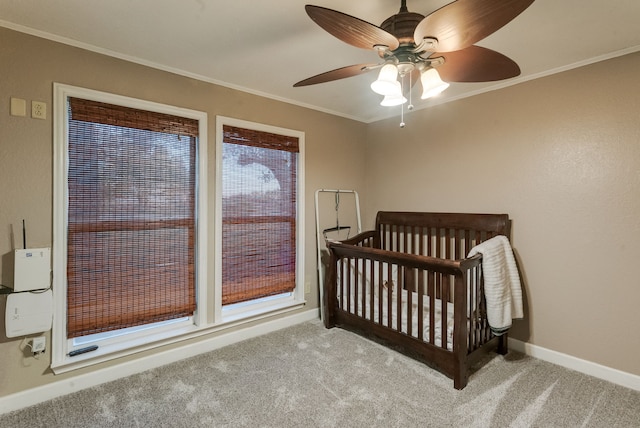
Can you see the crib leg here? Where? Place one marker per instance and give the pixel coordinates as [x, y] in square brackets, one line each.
[503, 344]
[329, 298]
[460, 378]
[329, 320]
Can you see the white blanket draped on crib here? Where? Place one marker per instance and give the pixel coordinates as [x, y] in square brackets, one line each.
[502, 288]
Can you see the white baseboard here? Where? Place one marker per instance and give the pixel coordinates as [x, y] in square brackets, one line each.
[55, 389]
[583, 366]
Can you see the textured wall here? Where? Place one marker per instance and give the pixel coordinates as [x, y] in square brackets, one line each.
[561, 155]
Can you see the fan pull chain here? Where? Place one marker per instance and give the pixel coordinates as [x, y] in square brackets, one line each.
[402, 105]
[410, 106]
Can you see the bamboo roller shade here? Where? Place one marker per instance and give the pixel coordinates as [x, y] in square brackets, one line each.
[258, 227]
[131, 217]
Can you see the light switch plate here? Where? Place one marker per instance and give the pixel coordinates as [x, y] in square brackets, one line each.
[18, 107]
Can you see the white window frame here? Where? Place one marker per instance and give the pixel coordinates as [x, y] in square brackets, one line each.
[137, 338]
[258, 307]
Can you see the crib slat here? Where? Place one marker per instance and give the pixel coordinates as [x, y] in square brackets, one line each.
[443, 311]
[341, 282]
[472, 318]
[421, 304]
[478, 326]
[438, 253]
[467, 242]
[398, 290]
[481, 315]
[429, 238]
[407, 239]
[485, 332]
[348, 286]
[383, 236]
[455, 245]
[474, 306]
[372, 292]
[482, 334]
[433, 278]
[410, 285]
[356, 286]
[390, 286]
[380, 290]
[367, 290]
[485, 322]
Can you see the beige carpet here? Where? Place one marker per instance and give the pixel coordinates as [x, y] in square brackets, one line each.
[307, 376]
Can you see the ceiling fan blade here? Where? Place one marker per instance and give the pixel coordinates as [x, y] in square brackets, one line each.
[476, 64]
[464, 22]
[339, 73]
[351, 30]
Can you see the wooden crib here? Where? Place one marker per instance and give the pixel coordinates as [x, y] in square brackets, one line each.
[409, 285]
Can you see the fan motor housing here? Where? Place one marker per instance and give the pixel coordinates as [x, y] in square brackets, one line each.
[402, 25]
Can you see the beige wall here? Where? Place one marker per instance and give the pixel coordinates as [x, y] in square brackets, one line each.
[561, 155]
[28, 68]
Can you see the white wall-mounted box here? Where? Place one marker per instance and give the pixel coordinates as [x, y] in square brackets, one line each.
[28, 313]
[31, 269]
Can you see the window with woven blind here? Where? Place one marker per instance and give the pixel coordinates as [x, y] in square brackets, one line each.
[131, 217]
[259, 177]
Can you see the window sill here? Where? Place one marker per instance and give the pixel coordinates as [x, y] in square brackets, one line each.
[190, 331]
[258, 308]
[137, 343]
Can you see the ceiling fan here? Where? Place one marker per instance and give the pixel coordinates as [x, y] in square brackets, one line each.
[427, 48]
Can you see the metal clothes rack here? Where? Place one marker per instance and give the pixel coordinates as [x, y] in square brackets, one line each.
[320, 233]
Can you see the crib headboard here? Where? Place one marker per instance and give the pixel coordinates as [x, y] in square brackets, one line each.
[442, 235]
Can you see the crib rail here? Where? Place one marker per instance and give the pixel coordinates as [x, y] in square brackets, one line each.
[442, 235]
[436, 301]
[364, 239]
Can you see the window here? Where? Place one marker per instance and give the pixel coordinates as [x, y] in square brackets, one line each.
[127, 233]
[259, 177]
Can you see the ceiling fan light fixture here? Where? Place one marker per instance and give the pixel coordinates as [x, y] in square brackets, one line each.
[393, 100]
[410, 44]
[432, 84]
[386, 82]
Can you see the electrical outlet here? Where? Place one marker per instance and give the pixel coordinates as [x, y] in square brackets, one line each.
[307, 287]
[38, 109]
[38, 345]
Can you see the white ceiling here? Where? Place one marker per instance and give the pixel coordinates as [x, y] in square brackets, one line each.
[264, 47]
